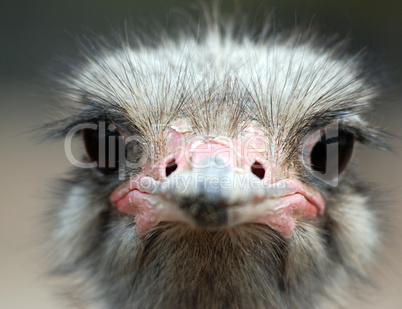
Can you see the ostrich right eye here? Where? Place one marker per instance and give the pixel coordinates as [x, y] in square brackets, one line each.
[329, 156]
[105, 146]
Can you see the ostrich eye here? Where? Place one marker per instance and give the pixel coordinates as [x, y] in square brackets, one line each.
[330, 155]
[105, 146]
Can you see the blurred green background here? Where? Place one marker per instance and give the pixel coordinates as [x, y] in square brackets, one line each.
[34, 33]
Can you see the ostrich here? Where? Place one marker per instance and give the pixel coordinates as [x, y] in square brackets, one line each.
[216, 173]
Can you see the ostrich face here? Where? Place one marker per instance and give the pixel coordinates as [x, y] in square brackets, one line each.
[219, 176]
[217, 181]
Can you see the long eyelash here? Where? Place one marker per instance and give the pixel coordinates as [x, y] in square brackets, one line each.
[61, 127]
[369, 136]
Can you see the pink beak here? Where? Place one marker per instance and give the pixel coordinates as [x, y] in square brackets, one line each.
[215, 184]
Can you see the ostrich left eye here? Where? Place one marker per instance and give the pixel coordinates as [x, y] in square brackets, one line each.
[105, 146]
[329, 153]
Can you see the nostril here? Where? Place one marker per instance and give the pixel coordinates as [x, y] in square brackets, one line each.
[171, 167]
[258, 170]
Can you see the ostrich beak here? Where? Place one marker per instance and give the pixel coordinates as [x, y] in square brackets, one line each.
[218, 197]
[217, 189]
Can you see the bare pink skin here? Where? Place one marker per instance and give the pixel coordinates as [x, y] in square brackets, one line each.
[133, 197]
[295, 206]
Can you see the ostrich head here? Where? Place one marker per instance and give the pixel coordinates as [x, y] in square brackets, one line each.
[216, 175]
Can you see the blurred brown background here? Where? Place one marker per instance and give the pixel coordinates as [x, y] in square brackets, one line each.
[33, 32]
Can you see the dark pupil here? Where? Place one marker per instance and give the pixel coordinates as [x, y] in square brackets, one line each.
[105, 147]
[331, 156]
